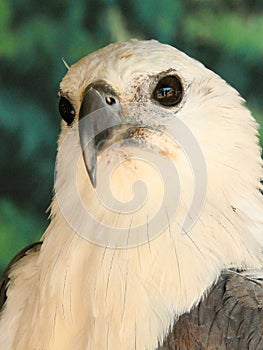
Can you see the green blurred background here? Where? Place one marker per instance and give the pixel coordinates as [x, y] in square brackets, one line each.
[226, 35]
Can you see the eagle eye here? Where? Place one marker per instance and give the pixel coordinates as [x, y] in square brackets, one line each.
[66, 110]
[168, 91]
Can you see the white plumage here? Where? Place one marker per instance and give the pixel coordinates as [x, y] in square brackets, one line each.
[74, 294]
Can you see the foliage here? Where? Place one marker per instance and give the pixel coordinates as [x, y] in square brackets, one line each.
[18, 229]
[226, 35]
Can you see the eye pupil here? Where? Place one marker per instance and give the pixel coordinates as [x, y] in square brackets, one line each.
[169, 91]
[66, 110]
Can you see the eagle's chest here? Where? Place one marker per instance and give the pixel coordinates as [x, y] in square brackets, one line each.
[124, 298]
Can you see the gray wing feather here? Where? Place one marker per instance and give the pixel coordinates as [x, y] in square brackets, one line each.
[4, 279]
[229, 318]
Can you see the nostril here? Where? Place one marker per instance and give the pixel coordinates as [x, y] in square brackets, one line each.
[110, 100]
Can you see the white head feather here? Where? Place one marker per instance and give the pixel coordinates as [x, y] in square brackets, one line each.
[129, 298]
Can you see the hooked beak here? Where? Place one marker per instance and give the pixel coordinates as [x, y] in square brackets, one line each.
[100, 110]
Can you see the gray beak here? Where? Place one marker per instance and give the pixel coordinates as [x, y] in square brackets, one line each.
[100, 111]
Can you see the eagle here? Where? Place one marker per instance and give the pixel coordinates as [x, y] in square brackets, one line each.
[155, 236]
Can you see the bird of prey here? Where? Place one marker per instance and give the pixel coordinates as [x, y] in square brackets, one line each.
[150, 140]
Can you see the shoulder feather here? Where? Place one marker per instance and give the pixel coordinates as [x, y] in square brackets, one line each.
[4, 279]
[230, 317]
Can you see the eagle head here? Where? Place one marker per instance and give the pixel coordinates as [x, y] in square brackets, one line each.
[156, 191]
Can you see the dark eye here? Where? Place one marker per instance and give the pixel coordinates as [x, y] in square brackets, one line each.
[168, 91]
[66, 110]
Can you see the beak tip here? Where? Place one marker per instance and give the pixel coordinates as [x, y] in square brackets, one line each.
[93, 176]
[90, 161]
